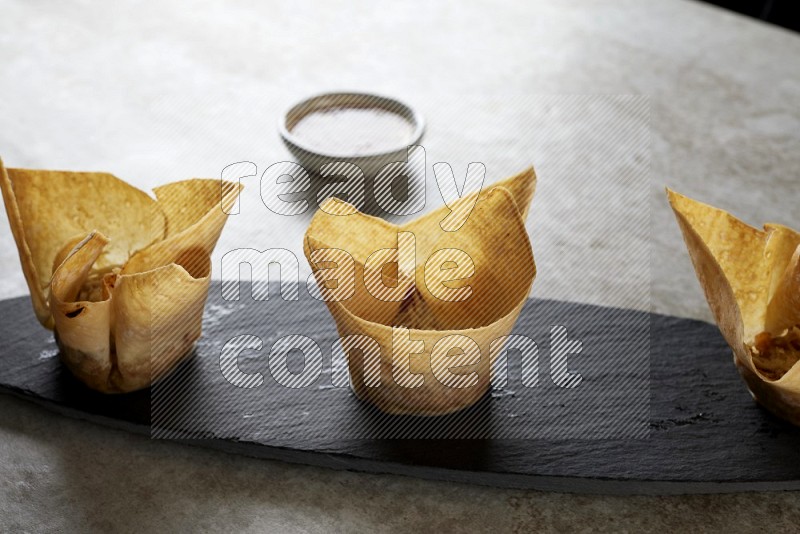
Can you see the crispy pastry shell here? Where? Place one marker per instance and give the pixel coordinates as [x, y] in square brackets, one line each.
[494, 237]
[121, 277]
[751, 280]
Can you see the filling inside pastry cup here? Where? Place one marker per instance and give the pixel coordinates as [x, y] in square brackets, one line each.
[422, 311]
[751, 280]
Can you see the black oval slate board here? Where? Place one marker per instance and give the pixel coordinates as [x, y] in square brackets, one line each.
[703, 431]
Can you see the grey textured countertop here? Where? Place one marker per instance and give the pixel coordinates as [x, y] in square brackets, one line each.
[165, 92]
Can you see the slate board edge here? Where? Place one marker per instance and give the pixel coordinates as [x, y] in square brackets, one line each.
[575, 485]
[354, 461]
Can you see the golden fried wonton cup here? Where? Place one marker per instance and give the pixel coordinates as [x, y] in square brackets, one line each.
[121, 277]
[751, 280]
[421, 329]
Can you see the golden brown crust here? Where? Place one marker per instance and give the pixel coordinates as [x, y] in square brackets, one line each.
[51, 208]
[751, 279]
[495, 239]
[32, 276]
[127, 307]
